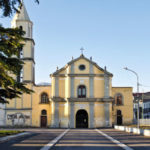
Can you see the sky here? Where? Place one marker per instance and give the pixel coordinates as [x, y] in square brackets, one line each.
[116, 33]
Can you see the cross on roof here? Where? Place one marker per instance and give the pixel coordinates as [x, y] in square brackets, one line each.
[82, 49]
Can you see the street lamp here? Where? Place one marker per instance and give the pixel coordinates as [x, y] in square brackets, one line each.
[138, 117]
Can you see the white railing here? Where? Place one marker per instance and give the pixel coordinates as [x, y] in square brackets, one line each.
[144, 122]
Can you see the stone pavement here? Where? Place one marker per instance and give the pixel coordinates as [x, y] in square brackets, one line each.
[77, 139]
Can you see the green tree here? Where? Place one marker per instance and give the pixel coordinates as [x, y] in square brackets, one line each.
[11, 44]
[8, 7]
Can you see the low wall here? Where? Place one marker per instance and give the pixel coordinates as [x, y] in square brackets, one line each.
[134, 130]
[145, 122]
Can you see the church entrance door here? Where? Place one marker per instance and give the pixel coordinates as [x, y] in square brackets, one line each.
[81, 119]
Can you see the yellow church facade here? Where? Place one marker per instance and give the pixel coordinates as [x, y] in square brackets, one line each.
[80, 94]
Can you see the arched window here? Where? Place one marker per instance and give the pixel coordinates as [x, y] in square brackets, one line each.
[43, 112]
[119, 99]
[81, 91]
[44, 98]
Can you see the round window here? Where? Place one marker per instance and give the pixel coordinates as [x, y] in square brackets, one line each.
[82, 67]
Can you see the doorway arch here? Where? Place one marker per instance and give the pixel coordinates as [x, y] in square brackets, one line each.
[81, 119]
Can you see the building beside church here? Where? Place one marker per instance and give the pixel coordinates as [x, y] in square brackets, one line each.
[80, 95]
[144, 105]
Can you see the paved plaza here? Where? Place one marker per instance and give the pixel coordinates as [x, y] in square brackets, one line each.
[77, 139]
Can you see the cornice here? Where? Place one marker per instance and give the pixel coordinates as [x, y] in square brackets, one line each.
[71, 99]
[18, 108]
[58, 99]
[28, 39]
[28, 59]
[90, 99]
[79, 75]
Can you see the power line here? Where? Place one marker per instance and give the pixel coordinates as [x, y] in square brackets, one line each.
[144, 85]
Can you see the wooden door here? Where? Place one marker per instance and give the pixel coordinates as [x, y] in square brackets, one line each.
[43, 121]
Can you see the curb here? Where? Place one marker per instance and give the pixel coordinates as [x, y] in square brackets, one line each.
[6, 138]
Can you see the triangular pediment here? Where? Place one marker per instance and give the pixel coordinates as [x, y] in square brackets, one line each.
[81, 59]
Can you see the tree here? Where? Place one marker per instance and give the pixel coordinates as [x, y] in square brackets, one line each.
[8, 7]
[11, 44]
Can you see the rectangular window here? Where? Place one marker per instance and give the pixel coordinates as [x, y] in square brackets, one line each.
[79, 92]
[83, 92]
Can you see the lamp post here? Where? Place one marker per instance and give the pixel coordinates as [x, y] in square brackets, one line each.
[138, 117]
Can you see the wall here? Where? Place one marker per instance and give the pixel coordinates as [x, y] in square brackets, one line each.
[2, 114]
[37, 106]
[127, 107]
[19, 110]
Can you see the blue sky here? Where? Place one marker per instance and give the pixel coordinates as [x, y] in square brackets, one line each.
[116, 33]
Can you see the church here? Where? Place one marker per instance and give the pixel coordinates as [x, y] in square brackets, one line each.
[80, 95]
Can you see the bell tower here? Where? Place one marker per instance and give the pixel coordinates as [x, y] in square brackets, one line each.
[22, 20]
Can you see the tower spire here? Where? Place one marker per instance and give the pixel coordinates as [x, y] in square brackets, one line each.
[22, 14]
